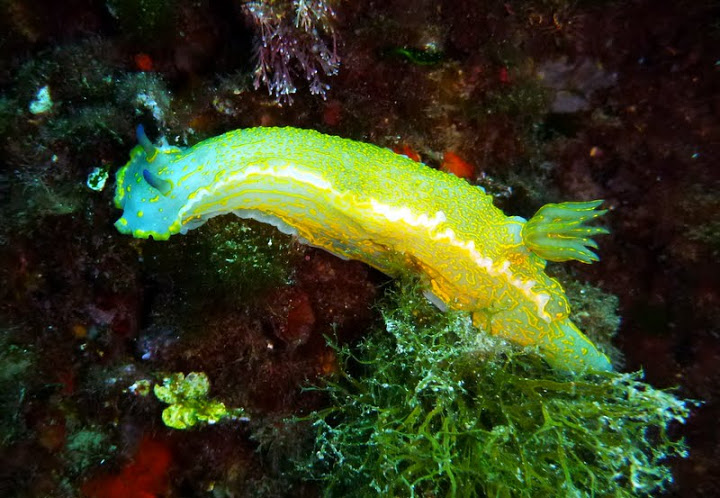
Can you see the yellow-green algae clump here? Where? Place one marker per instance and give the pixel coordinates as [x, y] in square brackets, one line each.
[433, 408]
[189, 401]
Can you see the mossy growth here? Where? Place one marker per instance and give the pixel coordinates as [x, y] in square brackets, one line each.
[227, 261]
[86, 446]
[249, 256]
[16, 369]
[145, 20]
[430, 407]
[96, 106]
[8, 111]
[189, 401]
[526, 101]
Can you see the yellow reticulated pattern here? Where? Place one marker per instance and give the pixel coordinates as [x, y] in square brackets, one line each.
[363, 202]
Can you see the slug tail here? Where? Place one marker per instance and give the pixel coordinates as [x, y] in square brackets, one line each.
[557, 231]
[567, 348]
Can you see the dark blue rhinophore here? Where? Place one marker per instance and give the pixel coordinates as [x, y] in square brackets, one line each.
[163, 186]
[145, 143]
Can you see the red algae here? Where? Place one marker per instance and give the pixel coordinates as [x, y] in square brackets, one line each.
[145, 476]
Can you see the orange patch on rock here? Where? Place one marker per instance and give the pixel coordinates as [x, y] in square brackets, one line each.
[144, 477]
[452, 163]
[407, 151]
[143, 62]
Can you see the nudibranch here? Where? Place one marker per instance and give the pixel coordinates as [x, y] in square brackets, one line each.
[364, 202]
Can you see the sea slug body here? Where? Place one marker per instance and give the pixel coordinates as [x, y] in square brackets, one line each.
[363, 202]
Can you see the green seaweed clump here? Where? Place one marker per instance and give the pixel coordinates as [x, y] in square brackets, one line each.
[432, 408]
[189, 402]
